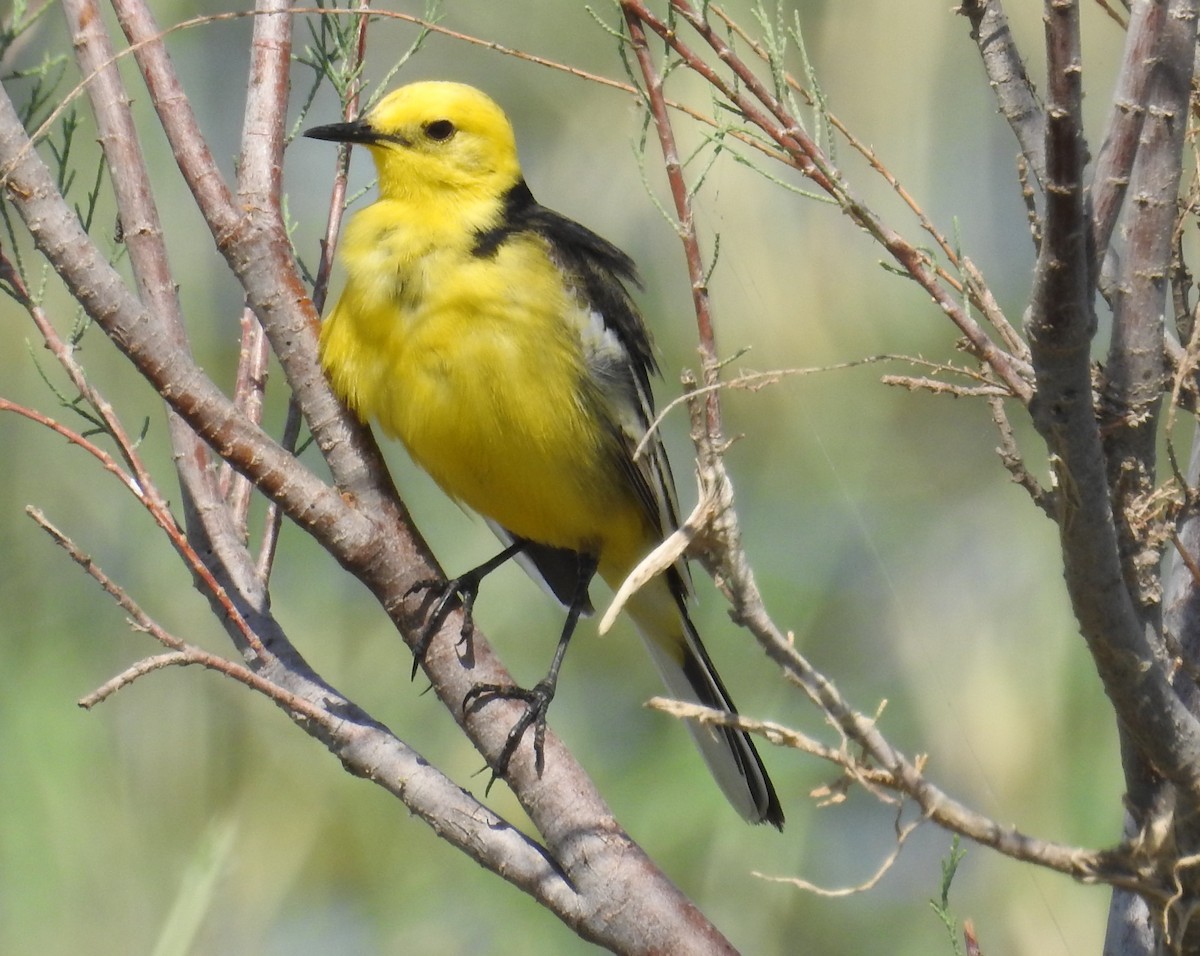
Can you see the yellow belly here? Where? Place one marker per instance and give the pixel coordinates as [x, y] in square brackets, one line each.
[480, 374]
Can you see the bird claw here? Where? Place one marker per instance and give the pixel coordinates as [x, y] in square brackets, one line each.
[537, 704]
[463, 589]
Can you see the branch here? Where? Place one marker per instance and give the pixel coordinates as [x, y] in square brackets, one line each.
[754, 101]
[1135, 375]
[971, 280]
[219, 533]
[712, 533]
[714, 525]
[702, 306]
[140, 336]
[1010, 457]
[901, 776]
[1009, 80]
[723, 556]
[598, 870]
[227, 610]
[366, 748]
[291, 432]
[1110, 178]
[260, 187]
[1061, 325]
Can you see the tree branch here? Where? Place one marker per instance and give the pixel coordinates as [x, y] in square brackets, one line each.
[1135, 375]
[1009, 80]
[1110, 178]
[1061, 325]
[758, 105]
[598, 870]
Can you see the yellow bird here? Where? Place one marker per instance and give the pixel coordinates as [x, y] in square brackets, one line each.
[499, 342]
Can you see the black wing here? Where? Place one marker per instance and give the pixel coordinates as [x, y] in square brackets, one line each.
[601, 275]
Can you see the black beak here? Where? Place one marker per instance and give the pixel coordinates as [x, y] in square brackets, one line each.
[358, 131]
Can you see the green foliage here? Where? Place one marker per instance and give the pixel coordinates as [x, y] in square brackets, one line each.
[54, 121]
[21, 18]
[941, 905]
[333, 55]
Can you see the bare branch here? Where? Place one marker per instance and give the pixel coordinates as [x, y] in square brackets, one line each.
[1110, 178]
[903, 832]
[1061, 325]
[760, 107]
[236, 623]
[368, 750]
[220, 532]
[1135, 375]
[728, 564]
[1010, 457]
[291, 432]
[131, 327]
[1009, 80]
[935, 386]
[701, 304]
[974, 285]
[909, 780]
[147, 665]
[597, 869]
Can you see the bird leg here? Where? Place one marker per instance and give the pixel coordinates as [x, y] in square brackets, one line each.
[464, 589]
[537, 698]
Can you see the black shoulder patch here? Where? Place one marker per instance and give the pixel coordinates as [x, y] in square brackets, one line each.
[518, 202]
[597, 269]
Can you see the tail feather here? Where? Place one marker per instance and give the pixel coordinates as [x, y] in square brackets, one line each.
[689, 674]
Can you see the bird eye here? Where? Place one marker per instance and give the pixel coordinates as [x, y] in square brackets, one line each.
[439, 130]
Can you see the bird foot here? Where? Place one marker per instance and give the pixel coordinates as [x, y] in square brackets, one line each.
[462, 589]
[537, 704]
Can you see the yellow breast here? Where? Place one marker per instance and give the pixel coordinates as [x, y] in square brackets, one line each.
[476, 364]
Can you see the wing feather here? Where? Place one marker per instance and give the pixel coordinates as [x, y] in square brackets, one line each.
[619, 353]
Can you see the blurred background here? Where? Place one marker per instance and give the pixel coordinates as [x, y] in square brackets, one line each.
[188, 815]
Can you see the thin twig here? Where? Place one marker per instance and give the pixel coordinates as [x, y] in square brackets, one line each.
[908, 780]
[748, 94]
[429, 25]
[903, 832]
[161, 516]
[147, 665]
[935, 386]
[975, 286]
[681, 196]
[1010, 457]
[182, 652]
[1113, 14]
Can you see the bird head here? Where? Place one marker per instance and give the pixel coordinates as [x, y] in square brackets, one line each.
[432, 136]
